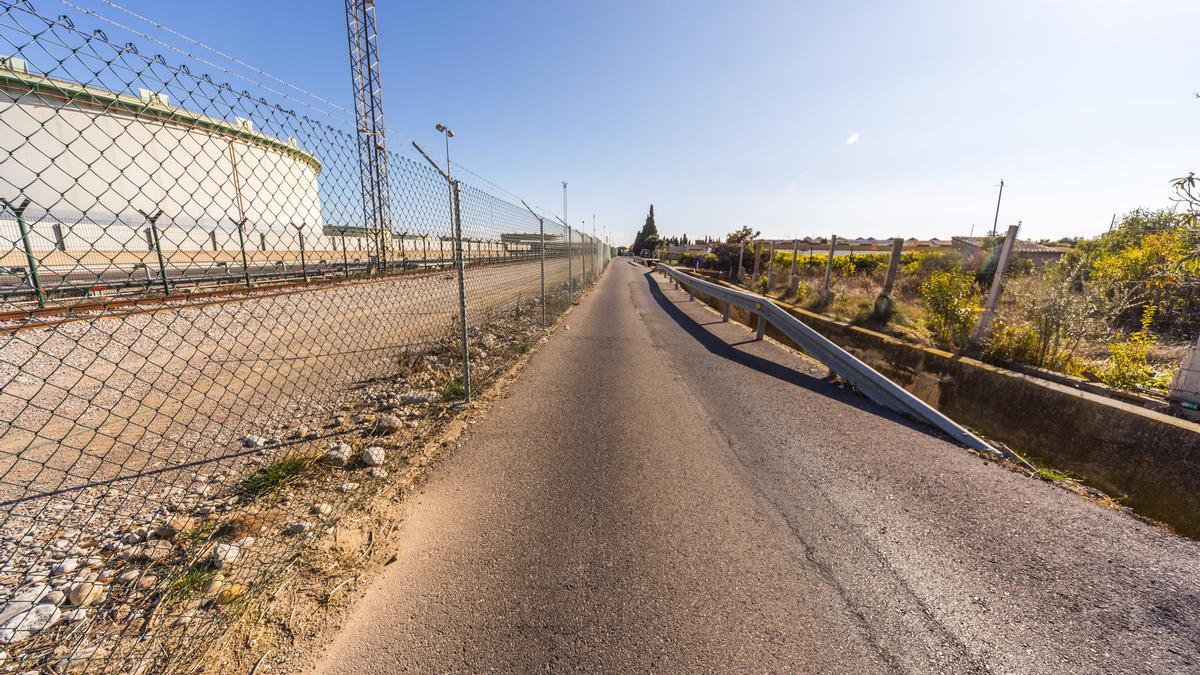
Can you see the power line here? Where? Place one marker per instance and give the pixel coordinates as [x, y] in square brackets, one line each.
[163, 27]
[200, 59]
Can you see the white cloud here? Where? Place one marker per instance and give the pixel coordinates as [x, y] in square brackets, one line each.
[854, 136]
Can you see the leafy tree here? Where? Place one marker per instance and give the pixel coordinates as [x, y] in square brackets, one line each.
[1149, 258]
[742, 234]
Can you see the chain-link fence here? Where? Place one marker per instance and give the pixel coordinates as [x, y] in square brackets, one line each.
[206, 355]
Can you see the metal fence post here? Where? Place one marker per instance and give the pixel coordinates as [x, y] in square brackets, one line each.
[542, 266]
[345, 255]
[303, 261]
[462, 295]
[757, 261]
[570, 267]
[741, 253]
[241, 228]
[34, 279]
[157, 242]
[985, 320]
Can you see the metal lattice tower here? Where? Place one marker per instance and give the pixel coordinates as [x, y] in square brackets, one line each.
[368, 115]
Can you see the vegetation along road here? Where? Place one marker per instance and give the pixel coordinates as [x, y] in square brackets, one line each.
[659, 492]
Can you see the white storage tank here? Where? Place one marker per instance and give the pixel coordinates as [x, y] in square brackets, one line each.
[89, 160]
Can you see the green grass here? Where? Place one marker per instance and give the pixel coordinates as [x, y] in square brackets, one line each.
[274, 474]
[191, 581]
[198, 534]
[1052, 475]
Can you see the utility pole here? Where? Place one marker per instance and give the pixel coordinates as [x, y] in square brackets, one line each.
[996, 220]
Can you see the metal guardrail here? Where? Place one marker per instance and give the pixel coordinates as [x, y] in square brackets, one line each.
[865, 378]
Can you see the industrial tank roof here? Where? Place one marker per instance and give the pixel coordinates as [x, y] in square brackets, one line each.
[152, 109]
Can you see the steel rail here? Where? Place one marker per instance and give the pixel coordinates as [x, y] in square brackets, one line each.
[866, 379]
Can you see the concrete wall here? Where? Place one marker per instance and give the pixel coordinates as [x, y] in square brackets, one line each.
[1148, 460]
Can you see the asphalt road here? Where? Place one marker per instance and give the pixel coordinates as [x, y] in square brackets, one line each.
[659, 492]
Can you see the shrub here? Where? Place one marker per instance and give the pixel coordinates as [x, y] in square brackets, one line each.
[952, 304]
[924, 264]
[1014, 343]
[1129, 366]
[710, 261]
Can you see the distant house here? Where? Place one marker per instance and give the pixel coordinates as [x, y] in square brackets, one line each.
[974, 253]
[674, 252]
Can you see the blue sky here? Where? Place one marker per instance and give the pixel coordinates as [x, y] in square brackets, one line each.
[739, 113]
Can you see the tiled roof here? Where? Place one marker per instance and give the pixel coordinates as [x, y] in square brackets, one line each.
[1020, 245]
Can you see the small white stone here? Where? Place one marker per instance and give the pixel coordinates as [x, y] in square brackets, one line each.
[322, 509]
[373, 456]
[224, 554]
[379, 472]
[24, 601]
[347, 487]
[338, 455]
[28, 624]
[65, 567]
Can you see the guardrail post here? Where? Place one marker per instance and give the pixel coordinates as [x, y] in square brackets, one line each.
[462, 296]
[156, 241]
[985, 320]
[884, 306]
[34, 279]
[741, 254]
[241, 228]
[826, 294]
[762, 322]
[725, 313]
